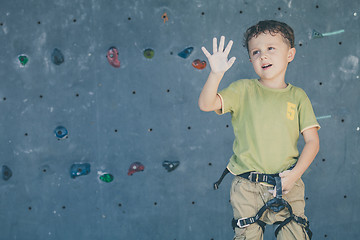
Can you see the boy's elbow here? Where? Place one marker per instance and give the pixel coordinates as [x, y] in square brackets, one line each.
[203, 108]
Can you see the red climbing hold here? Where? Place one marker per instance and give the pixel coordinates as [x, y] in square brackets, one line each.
[112, 56]
[135, 167]
[199, 64]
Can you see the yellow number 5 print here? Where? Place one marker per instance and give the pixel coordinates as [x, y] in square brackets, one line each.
[290, 114]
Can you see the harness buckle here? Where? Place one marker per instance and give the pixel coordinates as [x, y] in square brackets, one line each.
[256, 174]
[241, 223]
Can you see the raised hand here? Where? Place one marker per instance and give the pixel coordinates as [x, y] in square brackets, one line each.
[219, 62]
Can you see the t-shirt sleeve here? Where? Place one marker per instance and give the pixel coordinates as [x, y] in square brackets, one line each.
[307, 117]
[230, 97]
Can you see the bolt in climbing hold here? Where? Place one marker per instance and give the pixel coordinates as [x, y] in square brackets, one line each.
[61, 132]
[106, 177]
[199, 64]
[57, 57]
[23, 59]
[135, 167]
[170, 165]
[112, 57]
[79, 169]
[149, 53]
[6, 172]
[186, 52]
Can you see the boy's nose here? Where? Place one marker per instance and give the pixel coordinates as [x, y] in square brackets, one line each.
[263, 56]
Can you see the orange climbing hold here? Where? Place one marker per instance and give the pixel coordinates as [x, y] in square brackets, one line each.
[165, 17]
[199, 64]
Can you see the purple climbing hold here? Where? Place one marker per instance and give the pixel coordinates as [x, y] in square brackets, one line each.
[112, 57]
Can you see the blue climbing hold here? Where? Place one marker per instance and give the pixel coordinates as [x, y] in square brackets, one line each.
[186, 52]
[6, 172]
[57, 57]
[61, 132]
[79, 169]
[170, 165]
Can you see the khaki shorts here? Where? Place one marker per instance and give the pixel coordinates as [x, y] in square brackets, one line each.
[247, 198]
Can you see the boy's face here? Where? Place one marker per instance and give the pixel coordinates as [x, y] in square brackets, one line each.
[270, 56]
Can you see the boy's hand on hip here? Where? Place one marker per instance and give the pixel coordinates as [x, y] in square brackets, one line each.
[219, 62]
[287, 181]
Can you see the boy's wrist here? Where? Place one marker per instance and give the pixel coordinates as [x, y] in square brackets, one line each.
[217, 74]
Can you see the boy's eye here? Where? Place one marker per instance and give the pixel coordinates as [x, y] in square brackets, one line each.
[255, 52]
[271, 48]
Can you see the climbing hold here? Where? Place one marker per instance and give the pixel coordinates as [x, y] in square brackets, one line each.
[112, 57]
[57, 57]
[6, 172]
[316, 34]
[106, 177]
[165, 17]
[79, 169]
[135, 167]
[199, 64]
[149, 53]
[170, 165]
[23, 59]
[61, 132]
[186, 52]
[323, 117]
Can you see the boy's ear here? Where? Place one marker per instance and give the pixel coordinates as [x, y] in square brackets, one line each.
[291, 54]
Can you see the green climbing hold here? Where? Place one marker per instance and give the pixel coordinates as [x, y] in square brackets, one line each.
[106, 177]
[149, 53]
[23, 59]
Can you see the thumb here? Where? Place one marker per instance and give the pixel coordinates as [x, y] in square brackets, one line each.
[231, 61]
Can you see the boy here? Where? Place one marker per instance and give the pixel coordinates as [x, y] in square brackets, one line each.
[267, 116]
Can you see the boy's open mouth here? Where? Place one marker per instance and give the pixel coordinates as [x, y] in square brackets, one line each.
[266, 66]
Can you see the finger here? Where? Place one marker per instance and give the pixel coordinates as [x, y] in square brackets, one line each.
[274, 193]
[215, 45]
[207, 54]
[284, 173]
[231, 61]
[222, 43]
[228, 47]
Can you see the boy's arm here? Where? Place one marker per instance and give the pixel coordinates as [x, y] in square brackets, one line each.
[311, 148]
[208, 100]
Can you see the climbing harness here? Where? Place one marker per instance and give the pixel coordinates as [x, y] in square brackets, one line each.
[276, 204]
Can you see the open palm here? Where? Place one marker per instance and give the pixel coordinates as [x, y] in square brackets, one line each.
[219, 62]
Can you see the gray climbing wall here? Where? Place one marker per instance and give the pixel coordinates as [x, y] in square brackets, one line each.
[146, 111]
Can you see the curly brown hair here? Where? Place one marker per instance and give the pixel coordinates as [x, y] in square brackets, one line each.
[270, 26]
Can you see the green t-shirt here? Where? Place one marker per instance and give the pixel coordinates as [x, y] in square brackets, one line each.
[266, 125]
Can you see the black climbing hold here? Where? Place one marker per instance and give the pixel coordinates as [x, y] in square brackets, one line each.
[79, 169]
[170, 165]
[6, 172]
[57, 57]
[61, 132]
[186, 52]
